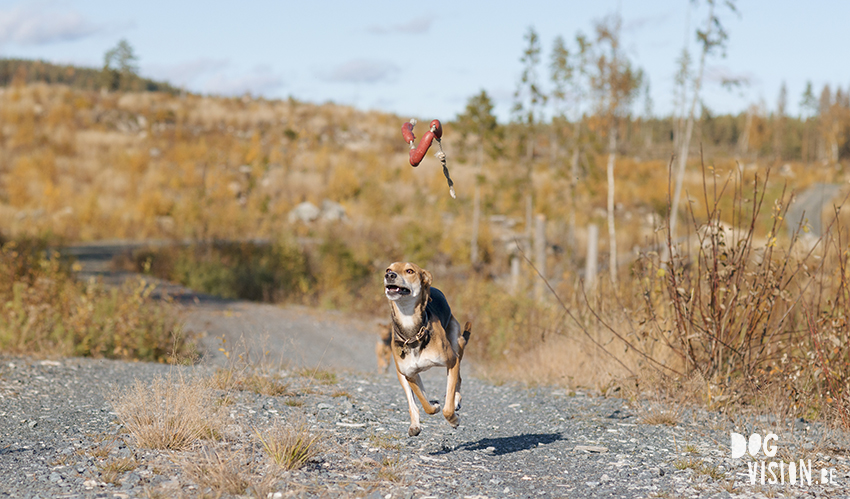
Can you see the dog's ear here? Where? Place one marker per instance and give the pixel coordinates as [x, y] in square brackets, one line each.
[425, 277]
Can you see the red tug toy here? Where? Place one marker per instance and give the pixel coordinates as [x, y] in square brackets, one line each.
[418, 153]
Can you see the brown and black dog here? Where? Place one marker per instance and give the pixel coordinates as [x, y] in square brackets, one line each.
[425, 334]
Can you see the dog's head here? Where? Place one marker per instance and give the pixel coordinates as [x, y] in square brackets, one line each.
[406, 281]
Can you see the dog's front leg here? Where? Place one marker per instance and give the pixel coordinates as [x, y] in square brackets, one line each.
[415, 428]
[419, 390]
[452, 388]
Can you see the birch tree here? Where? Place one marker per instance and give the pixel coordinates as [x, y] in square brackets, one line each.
[615, 83]
[569, 73]
[712, 37]
[808, 109]
[830, 122]
[479, 122]
[780, 122]
[529, 100]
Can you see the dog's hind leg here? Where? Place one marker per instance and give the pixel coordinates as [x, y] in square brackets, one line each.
[415, 428]
[419, 390]
[461, 343]
[463, 339]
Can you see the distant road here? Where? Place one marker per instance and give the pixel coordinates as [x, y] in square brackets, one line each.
[296, 335]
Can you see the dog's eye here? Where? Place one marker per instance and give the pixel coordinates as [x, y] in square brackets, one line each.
[409, 271]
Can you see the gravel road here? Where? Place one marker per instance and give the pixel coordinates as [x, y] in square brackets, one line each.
[59, 431]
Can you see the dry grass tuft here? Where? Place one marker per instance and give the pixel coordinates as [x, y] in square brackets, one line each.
[392, 469]
[221, 471]
[700, 467]
[262, 383]
[385, 441]
[99, 452]
[289, 446]
[321, 376]
[658, 415]
[111, 470]
[170, 413]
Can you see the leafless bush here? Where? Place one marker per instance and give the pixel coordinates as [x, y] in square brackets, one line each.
[749, 311]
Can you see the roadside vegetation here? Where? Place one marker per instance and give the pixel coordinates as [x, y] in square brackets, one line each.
[45, 312]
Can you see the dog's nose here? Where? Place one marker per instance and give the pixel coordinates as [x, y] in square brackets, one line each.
[390, 275]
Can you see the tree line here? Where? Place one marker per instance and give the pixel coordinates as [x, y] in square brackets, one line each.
[119, 73]
[578, 112]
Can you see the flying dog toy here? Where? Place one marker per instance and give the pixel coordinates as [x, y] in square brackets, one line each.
[418, 152]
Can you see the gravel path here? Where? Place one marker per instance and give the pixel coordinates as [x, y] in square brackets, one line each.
[60, 437]
[58, 433]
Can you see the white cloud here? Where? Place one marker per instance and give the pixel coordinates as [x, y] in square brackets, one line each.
[217, 77]
[725, 76]
[259, 81]
[186, 73]
[415, 26]
[362, 71]
[33, 25]
[650, 23]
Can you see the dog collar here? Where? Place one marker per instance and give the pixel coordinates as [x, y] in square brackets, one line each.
[416, 339]
[419, 338]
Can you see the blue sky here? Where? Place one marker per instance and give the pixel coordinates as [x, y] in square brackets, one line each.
[426, 59]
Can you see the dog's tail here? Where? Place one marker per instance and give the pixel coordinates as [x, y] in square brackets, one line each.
[464, 338]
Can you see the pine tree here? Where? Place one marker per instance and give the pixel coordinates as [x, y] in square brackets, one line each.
[120, 71]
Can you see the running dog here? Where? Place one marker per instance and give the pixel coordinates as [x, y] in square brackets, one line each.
[425, 334]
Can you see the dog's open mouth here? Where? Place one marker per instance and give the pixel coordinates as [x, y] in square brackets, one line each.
[392, 289]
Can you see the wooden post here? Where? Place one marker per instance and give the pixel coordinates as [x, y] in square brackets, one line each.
[592, 256]
[515, 273]
[540, 256]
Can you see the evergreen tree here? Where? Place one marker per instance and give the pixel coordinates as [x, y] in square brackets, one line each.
[120, 71]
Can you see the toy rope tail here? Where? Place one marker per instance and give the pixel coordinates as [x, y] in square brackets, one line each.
[442, 157]
[418, 152]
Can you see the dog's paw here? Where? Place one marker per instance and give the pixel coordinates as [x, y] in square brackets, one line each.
[435, 406]
[452, 419]
[414, 430]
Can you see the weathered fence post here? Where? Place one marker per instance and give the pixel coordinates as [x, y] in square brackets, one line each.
[592, 256]
[540, 256]
[515, 276]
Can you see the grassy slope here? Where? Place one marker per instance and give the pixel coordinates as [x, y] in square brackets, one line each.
[84, 165]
